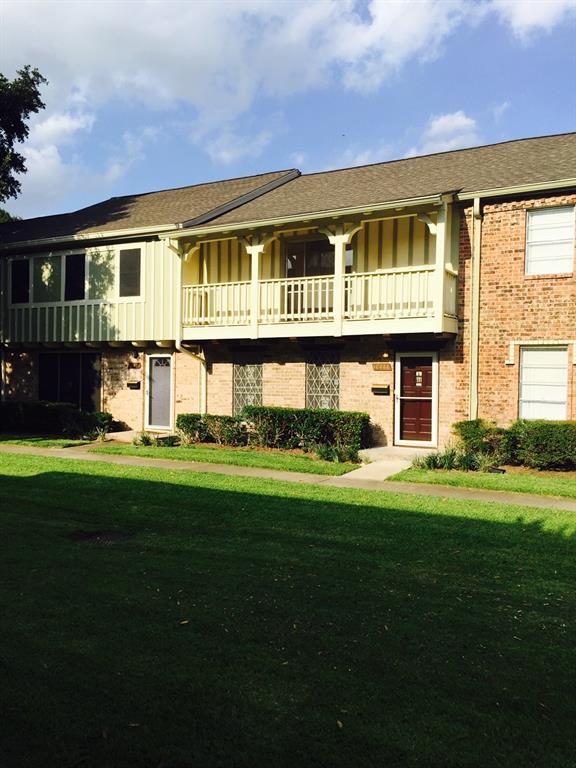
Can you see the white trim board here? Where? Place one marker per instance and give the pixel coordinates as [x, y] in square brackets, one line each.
[511, 359]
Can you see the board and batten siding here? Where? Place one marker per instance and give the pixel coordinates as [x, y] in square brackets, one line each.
[379, 245]
[103, 315]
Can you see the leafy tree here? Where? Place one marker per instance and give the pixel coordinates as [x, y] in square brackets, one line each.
[5, 216]
[19, 98]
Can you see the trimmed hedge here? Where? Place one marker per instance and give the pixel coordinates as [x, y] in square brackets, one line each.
[333, 434]
[40, 417]
[538, 444]
[309, 428]
[544, 444]
[224, 430]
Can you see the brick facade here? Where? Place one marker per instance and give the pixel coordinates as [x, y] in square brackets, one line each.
[514, 307]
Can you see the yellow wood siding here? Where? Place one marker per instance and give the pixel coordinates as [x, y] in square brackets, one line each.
[103, 315]
[392, 243]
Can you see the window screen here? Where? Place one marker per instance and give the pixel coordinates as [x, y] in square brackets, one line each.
[130, 272]
[550, 241]
[74, 277]
[323, 381]
[543, 382]
[20, 282]
[247, 389]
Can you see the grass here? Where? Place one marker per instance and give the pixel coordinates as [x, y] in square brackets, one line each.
[243, 457]
[40, 442]
[250, 622]
[544, 484]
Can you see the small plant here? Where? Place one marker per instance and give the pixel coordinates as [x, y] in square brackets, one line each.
[143, 438]
[468, 461]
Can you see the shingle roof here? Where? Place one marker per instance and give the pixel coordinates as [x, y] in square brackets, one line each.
[166, 208]
[513, 163]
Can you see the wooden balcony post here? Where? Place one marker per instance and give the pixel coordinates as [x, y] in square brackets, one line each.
[255, 250]
[443, 257]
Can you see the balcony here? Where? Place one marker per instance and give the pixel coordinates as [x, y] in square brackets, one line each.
[402, 300]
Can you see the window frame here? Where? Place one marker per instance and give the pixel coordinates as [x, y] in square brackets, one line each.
[11, 261]
[535, 211]
[322, 358]
[549, 347]
[88, 252]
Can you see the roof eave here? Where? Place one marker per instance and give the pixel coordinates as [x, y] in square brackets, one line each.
[520, 189]
[116, 234]
[368, 208]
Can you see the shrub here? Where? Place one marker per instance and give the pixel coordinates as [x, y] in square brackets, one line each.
[310, 429]
[40, 417]
[192, 428]
[480, 436]
[544, 444]
[226, 430]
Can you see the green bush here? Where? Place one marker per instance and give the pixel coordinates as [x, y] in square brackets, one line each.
[545, 444]
[226, 430]
[309, 428]
[44, 418]
[480, 436]
[192, 428]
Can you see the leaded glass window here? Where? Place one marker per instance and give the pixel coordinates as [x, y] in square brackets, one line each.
[247, 386]
[323, 381]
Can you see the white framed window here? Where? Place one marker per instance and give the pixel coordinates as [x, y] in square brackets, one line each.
[543, 383]
[550, 241]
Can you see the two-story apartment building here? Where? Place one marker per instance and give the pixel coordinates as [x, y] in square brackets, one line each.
[423, 291]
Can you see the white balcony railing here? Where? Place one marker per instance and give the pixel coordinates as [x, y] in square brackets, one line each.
[301, 299]
[216, 304]
[393, 294]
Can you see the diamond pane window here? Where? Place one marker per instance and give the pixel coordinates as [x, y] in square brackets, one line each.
[323, 381]
[247, 387]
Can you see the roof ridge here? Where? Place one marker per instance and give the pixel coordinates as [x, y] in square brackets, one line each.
[443, 152]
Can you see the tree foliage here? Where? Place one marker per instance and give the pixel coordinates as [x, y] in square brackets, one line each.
[19, 98]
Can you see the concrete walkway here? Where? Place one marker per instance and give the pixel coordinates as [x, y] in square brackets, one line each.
[356, 479]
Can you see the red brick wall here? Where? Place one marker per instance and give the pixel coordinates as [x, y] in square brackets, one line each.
[514, 306]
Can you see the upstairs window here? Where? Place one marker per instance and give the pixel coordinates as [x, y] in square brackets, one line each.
[75, 277]
[129, 282]
[47, 279]
[20, 282]
[550, 241]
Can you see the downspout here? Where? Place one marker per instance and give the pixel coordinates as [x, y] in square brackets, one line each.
[203, 383]
[475, 306]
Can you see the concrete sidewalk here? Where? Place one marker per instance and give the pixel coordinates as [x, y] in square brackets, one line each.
[356, 479]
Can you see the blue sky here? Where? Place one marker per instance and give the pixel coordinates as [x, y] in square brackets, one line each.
[152, 95]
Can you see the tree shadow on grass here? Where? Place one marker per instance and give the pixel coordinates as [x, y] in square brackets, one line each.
[291, 628]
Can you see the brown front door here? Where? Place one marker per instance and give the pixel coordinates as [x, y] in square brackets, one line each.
[415, 400]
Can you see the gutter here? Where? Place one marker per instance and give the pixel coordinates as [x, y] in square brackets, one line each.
[201, 358]
[518, 190]
[475, 306]
[109, 235]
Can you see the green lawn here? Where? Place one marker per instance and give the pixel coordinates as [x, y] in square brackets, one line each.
[254, 623]
[243, 457]
[559, 484]
[40, 442]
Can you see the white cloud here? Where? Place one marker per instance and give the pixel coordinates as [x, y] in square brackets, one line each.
[453, 130]
[221, 59]
[526, 17]
[499, 109]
